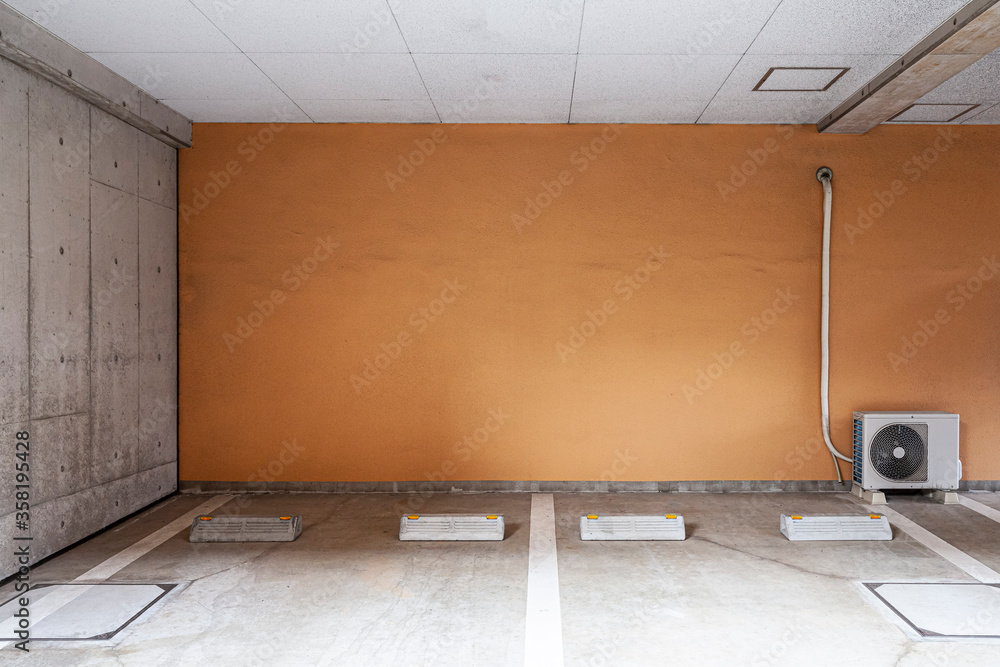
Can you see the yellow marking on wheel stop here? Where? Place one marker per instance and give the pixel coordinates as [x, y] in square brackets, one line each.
[206, 518]
[413, 516]
[285, 518]
[796, 517]
[670, 516]
[874, 516]
[491, 516]
[591, 516]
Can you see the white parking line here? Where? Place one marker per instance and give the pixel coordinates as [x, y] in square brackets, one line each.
[953, 555]
[543, 620]
[63, 596]
[977, 506]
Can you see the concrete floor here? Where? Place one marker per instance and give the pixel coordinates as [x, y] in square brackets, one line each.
[348, 593]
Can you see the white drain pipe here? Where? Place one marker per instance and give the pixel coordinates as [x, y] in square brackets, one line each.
[825, 175]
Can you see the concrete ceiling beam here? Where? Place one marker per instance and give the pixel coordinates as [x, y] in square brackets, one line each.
[34, 48]
[968, 35]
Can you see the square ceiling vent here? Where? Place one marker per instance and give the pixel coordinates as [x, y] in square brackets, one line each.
[932, 113]
[800, 79]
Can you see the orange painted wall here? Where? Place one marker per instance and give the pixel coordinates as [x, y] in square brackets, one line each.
[270, 395]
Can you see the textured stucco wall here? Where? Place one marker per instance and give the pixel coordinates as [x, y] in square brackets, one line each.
[517, 302]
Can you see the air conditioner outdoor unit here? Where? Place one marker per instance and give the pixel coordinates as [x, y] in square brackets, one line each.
[906, 450]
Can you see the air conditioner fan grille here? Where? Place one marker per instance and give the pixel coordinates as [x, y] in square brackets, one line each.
[899, 451]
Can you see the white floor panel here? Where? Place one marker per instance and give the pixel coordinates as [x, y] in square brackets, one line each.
[944, 609]
[99, 611]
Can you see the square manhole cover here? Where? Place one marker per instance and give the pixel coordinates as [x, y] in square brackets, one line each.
[80, 611]
[944, 610]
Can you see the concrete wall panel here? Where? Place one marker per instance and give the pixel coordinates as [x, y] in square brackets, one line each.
[157, 334]
[14, 367]
[59, 144]
[69, 298]
[62, 521]
[114, 152]
[157, 172]
[60, 461]
[59, 522]
[146, 487]
[8, 564]
[68, 519]
[114, 247]
[8, 470]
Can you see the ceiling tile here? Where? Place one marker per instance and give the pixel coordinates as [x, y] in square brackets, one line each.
[988, 113]
[799, 79]
[370, 111]
[641, 61]
[307, 25]
[851, 26]
[488, 26]
[127, 25]
[194, 76]
[343, 76]
[650, 78]
[932, 113]
[979, 82]
[239, 111]
[459, 76]
[636, 111]
[503, 111]
[738, 102]
[797, 108]
[690, 27]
